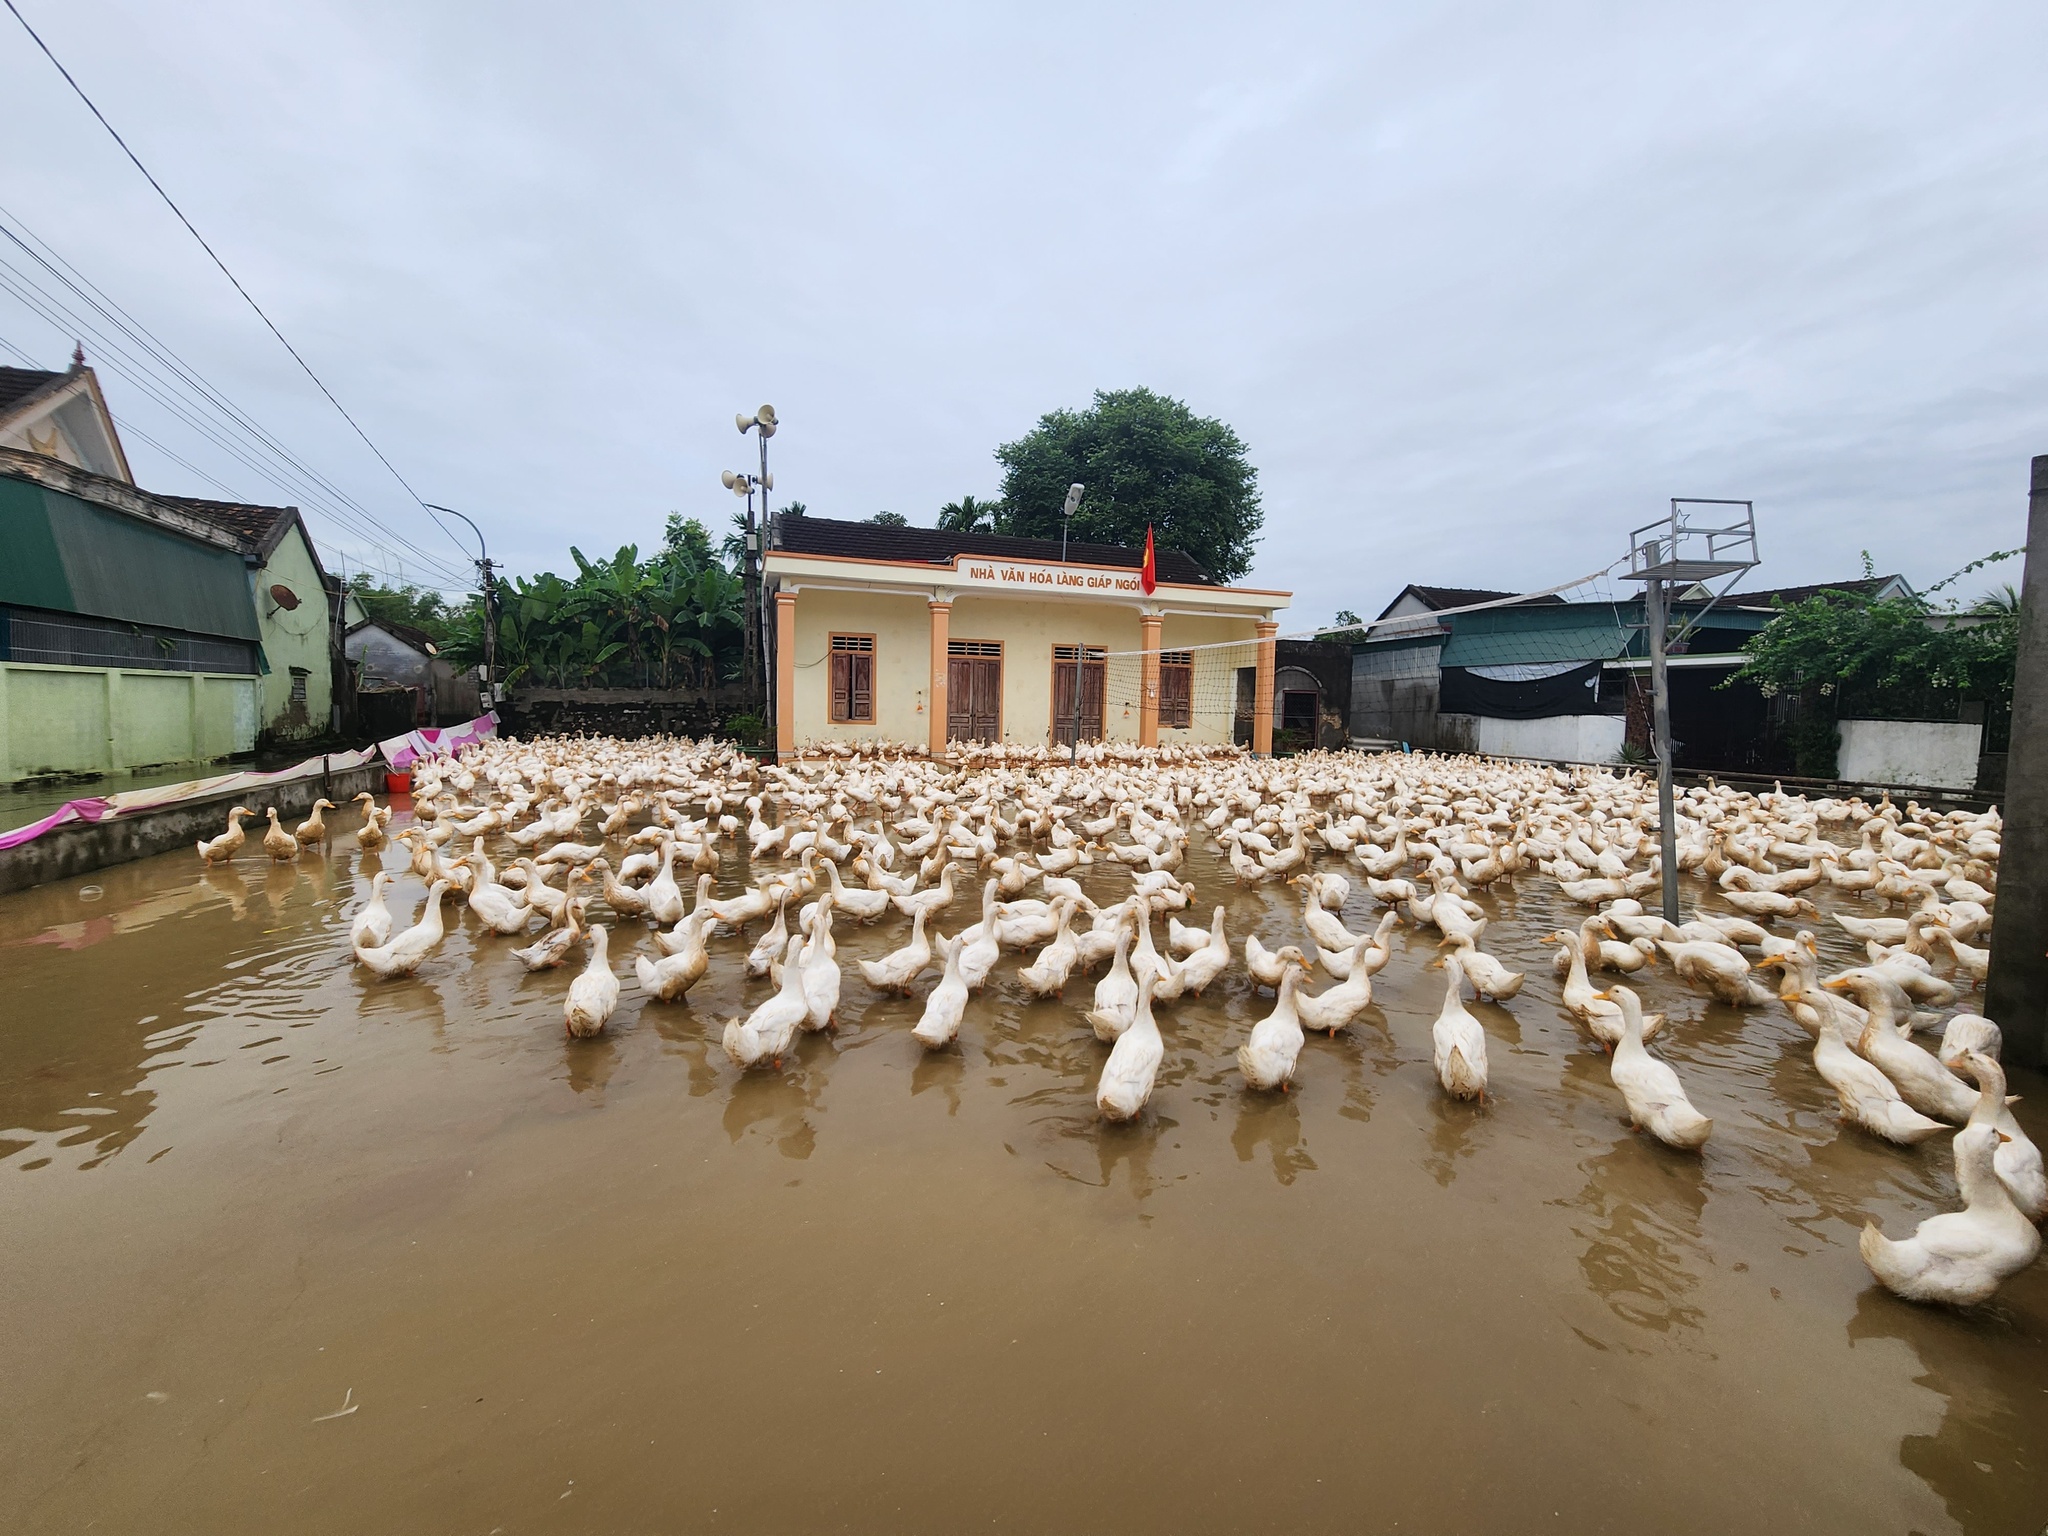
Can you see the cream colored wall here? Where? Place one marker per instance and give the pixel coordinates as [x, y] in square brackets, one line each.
[1028, 631]
[903, 644]
[294, 638]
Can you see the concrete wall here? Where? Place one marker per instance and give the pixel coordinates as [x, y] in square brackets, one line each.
[80, 847]
[1562, 738]
[1939, 754]
[106, 720]
[1027, 631]
[387, 658]
[294, 637]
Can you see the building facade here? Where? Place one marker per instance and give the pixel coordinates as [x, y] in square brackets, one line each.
[924, 635]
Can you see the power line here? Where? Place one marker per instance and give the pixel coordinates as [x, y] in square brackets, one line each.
[288, 472]
[171, 204]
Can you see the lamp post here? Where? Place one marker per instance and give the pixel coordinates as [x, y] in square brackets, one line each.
[490, 594]
[756, 645]
[1067, 515]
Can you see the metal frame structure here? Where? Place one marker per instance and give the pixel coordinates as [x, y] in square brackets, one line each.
[1680, 548]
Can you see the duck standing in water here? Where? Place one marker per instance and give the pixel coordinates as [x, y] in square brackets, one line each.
[218, 850]
[1961, 1257]
[1133, 1065]
[277, 842]
[402, 956]
[593, 994]
[1656, 1099]
[1458, 1043]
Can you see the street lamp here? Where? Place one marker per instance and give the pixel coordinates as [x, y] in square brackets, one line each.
[483, 566]
[1067, 514]
[762, 423]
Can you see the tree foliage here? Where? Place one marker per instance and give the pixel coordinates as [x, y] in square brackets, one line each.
[972, 515]
[420, 607]
[671, 621]
[1899, 657]
[1147, 460]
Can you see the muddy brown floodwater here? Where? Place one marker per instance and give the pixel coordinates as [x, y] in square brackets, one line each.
[287, 1249]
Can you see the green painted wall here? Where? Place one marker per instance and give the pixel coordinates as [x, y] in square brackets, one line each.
[103, 720]
[294, 637]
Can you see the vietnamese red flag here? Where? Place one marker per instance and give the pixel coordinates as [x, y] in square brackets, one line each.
[1148, 573]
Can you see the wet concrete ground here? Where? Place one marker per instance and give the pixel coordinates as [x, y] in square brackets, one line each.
[616, 1286]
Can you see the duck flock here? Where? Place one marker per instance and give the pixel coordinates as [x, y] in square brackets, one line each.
[889, 834]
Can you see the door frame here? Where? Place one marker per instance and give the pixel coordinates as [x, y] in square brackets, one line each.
[1000, 658]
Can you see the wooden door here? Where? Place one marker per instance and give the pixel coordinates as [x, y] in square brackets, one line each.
[1092, 670]
[974, 690]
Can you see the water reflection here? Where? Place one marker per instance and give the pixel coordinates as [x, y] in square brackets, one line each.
[1453, 1136]
[1639, 1213]
[780, 1103]
[1985, 1363]
[943, 1070]
[1272, 1121]
[591, 1062]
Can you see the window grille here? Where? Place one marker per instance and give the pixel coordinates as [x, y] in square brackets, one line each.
[299, 676]
[74, 640]
[974, 648]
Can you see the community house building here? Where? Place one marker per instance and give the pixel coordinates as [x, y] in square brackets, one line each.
[935, 637]
[140, 630]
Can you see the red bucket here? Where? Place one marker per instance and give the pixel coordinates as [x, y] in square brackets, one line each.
[397, 783]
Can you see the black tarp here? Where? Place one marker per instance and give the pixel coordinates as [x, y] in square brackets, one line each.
[1576, 692]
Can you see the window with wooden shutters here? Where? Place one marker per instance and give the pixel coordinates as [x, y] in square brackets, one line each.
[853, 679]
[1177, 689]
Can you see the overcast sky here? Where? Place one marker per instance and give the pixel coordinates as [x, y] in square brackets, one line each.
[1480, 286]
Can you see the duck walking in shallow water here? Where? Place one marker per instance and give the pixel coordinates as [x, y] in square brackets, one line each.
[1457, 1042]
[594, 993]
[1133, 1065]
[1960, 1257]
[1269, 1058]
[1656, 1099]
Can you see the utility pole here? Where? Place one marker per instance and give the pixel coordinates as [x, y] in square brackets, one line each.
[489, 593]
[1657, 601]
[757, 642]
[2016, 990]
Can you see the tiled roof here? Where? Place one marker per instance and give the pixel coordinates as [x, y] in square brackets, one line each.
[251, 524]
[17, 384]
[877, 541]
[1439, 598]
[1862, 586]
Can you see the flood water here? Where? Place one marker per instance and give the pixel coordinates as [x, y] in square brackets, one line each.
[289, 1249]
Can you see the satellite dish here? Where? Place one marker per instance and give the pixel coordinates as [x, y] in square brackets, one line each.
[765, 416]
[433, 649]
[284, 597]
[727, 479]
[742, 420]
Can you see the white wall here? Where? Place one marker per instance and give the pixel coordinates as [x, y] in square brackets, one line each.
[1939, 754]
[1563, 738]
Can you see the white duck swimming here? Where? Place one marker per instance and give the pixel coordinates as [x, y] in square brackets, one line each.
[895, 971]
[1489, 978]
[1586, 1003]
[593, 994]
[1133, 1066]
[372, 925]
[1373, 950]
[1047, 975]
[1961, 1257]
[499, 907]
[664, 898]
[1867, 1097]
[946, 1004]
[1269, 1058]
[1116, 995]
[312, 832]
[1921, 1079]
[670, 978]
[402, 956]
[1656, 1099]
[1335, 1007]
[1458, 1044]
[770, 1030]
[1210, 960]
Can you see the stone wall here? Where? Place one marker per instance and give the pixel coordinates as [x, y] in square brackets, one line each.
[623, 712]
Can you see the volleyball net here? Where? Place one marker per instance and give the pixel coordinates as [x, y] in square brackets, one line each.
[1553, 638]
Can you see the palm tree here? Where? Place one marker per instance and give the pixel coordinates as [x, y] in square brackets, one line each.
[971, 515]
[2000, 600]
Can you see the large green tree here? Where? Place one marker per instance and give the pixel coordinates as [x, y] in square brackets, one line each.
[1147, 460]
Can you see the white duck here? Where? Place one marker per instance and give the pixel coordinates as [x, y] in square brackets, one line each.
[372, 925]
[2018, 1160]
[1458, 1044]
[402, 956]
[664, 898]
[821, 970]
[1921, 1079]
[1204, 964]
[1656, 1099]
[1335, 1007]
[1047, 975]
[1489, 978]
[1968, 1032]
[1961, 1257]
[1867, 1097]
[1133, 1065]
[895, 971]
[593, 994]
[215, 850]
[768, 1032]
[1373, 950]
[669, 978]
[1268, 1059]
[981, 948]
[554, 946]
[499, 907]
[768, 948]
[1116, 995]
[946, 1004]
[1587, 1004]
[1267, 966]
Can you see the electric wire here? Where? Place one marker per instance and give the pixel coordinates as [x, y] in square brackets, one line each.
[171, 204]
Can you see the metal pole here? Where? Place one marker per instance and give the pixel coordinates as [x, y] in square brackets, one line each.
[1074, 756]
[750, 648]
[2016, 991]
[1656, 599]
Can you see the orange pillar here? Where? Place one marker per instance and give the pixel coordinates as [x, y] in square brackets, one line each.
[785, 673]
[1148, 699]
[1262, 705]
[942, 623]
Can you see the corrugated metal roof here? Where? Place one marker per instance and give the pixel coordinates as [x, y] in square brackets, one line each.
[1498, 637]
[71, 556]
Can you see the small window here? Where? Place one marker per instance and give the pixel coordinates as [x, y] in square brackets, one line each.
[853, 679]
[299, 676]
[974, 648]
[1177, 689]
